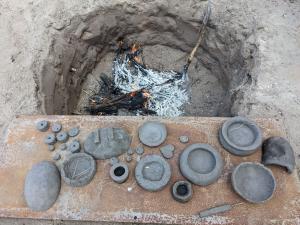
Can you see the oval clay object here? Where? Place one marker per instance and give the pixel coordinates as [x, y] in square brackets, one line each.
[50, 139]
[240, 136]
[105, 143]
[74, 146]
[78, 170]
[201, 164]
[42, 125]
[152, 172]
[42, 186]
[182, 191]
[62, 136]
[278, 151]
[56, 127]
[73, 132]
[152, 133]
[119, 172]
[254, 182]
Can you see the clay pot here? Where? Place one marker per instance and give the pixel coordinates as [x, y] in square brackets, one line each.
[152, 133]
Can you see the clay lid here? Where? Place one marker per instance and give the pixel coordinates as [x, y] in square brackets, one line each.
[152, 133]
[201, 164]
[153, 172]
[240, 136]
[253, 182]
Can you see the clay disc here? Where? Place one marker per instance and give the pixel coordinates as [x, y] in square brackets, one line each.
[253, 182]
[201, 164]
[78, 170]
[152, 133]
[240, 136]
[152, 172]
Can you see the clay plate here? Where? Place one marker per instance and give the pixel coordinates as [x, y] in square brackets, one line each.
[253, 182]
[152, 133]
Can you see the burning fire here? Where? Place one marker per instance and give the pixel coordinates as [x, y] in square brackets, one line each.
[134, 48]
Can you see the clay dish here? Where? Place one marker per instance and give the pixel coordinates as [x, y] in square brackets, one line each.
[240, 136]
[119, 172]
[152, 172]
[152, 133]
[253, 182]
[201, 164]
[78, 170]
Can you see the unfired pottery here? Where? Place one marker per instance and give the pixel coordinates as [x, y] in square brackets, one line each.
[184, 139]
[119, 172]
[62, 136]
[182, 191]
[240, 136]
[139, 150]
[201, 164]
[167, 151]
[56, 127]
[105, 143]
[42, 125]
[74, 146]
[78, 170]
[73, 132]
[42, 186]
[50, 139]
[152, 133]
[152, 172]
[278, 151]
[253, 181]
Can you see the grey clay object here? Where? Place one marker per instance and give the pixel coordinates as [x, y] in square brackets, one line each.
[167, 151]
[50, 139]
[73, 132]
[119, 172]
[182, 191]
[114, 160]
[152, 172]
[240, 136]
[78, 170]
[56, 157]
[128, 158]
[201, 164]
[62, 136]
[42, 125]
[130, 151]
[42, 186]
[63, 146]
[105, 143]
[152, 133]
[254, 182]
[51, 148]
[278, 151]
[74, 146]
[56, 127]
[139, 150]
[184, 139]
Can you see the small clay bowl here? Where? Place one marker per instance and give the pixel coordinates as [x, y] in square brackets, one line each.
[152, 133]
[182, 191]
[119, 172]
[240, 136]
[254, 182]
[152, 172]
[201, 164]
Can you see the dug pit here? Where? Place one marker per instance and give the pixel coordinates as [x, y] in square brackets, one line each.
[219, 75]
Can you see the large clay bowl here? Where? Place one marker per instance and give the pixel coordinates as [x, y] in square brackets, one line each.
[240, 136]
[201, 164]
[253, 182]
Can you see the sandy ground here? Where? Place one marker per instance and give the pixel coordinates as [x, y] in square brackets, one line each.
[26, 28]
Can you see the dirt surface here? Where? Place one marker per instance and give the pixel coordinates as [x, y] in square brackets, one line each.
[27, 29]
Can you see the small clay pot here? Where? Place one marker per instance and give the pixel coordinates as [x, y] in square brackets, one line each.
[62, 137]
[201, 164]
[254, 182]
[119, 172]
[56, 127]
[78, 170]
[42, 125]
[152, 133]
[240, 136]
[152, 172]
[182, 191]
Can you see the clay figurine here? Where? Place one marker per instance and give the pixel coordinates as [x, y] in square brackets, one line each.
[240, 136]
[184, 139]
[182, 191]
[139, 150]
[50, 139]
[253, 181]
[152, 172]
[73, 132]
[167, 151]
[74, 146]
[201, 164]
[42, 186]
[105, 143]
[119, 172]
[152, 133]
[42, 126]
[78, 170]
[278, 151]
[62, 137]
[56, 127]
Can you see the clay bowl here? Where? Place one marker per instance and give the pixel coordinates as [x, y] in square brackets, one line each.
[152, 133]
[240, 136]
[253, 182]
[201, 164]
